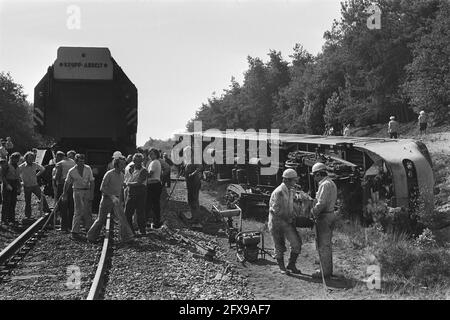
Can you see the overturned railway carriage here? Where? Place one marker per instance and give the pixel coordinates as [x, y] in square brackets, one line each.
[366, 170]
[87, 103]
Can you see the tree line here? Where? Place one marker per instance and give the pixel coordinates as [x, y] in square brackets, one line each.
[361, 76]
[16, 115]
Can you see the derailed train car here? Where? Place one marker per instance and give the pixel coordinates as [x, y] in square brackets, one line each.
[366, 170]
[87, 103]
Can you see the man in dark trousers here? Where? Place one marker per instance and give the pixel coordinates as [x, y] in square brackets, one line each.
[323, 211]
[66, 208]
[28, 173]
[154, 188]
[11, 188]
[193, 173]
[136, 182]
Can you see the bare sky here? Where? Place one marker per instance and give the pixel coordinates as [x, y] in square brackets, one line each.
[177, 53]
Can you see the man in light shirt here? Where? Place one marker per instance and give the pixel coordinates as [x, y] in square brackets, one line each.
[82, 180]
[66, 208]
[282, 222]
[111, 202]
[423, 123]
[29, 173]
[393, 127]
[154, 188]
[136, 192]
[323, 211]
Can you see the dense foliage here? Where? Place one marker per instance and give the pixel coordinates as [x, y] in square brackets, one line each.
[362, 76]
[16, 120]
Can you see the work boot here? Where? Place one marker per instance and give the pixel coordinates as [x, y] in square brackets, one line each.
[291, 265]
[281, 266]
[318, 275]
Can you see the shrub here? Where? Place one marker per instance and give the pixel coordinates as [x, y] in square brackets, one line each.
[397, 258]
[432, 267]
[426, 240]
[429, 266]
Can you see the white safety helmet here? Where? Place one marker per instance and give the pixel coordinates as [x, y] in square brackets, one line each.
[319, 166]
[392, 118]
[422, 112]
[290, 174]
[117, 155]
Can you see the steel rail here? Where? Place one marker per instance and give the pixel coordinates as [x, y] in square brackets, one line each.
[17, 243]
[99, 278]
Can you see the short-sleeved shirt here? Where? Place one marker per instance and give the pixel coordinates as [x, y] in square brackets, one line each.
[155, 167]
[28, 173]
[80, 182]
[132, 174]
[112, 183]
[66, 165]
[393, 126]
[422, 118]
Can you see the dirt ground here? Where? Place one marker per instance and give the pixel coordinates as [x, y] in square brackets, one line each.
[350, 267]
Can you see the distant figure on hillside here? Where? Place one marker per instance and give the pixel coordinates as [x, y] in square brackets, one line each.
[331, 131]
[393, 128]
[346, 132]
[423, 123]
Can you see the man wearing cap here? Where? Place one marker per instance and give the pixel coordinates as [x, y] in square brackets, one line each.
[82, 180]
[323, 212]
[116, 155]
[393, 128]
[112, 199]
[282, 222]
[66, 208]
[422, 123]
[29, 177]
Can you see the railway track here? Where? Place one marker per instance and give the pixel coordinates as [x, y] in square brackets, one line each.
[55, 268]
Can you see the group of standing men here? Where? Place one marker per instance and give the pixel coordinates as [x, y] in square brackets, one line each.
[127, 189]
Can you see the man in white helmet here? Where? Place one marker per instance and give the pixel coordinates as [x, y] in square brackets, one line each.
[282, 222]
[323, 211]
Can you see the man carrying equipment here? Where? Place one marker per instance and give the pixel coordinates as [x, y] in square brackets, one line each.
[282, 222]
